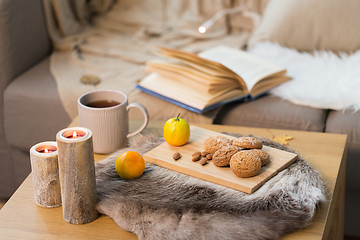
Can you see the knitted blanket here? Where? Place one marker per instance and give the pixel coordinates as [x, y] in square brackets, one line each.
[163, 204]
[112, 40]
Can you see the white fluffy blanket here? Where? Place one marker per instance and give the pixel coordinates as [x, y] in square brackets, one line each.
[321, 79]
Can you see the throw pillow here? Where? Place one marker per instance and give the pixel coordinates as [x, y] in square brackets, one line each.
[311, 25]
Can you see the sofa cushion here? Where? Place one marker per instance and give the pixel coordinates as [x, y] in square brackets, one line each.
[348, 122]
[24, 39]
[345, 122]
[33, 111]
[307, 25]
[23, 42]
[273, 112]
[7, 179]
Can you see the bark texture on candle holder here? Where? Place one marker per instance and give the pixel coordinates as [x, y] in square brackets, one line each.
[45, 177]
[77, 177]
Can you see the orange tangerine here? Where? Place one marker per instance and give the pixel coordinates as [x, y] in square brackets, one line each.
[130, 165]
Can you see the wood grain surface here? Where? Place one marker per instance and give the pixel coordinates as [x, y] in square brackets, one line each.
[162, 156]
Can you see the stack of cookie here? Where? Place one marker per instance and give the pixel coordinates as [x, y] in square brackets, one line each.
[243, 155]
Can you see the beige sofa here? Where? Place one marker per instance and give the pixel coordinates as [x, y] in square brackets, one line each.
[33, 112]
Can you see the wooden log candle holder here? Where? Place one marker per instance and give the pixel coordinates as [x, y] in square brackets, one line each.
[77, 175]
[45, 174]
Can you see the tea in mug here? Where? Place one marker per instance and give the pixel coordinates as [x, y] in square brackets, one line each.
[102, 103]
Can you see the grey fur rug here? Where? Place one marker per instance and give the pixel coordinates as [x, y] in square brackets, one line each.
[163, 204]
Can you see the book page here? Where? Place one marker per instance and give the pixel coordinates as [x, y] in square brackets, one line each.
[202, 64]
[268, 83]
[190, 80]
[200, 76]
[251, 68]
[195, 61]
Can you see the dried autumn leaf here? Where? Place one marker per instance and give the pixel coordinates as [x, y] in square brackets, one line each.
[282, 139]
[90, 79]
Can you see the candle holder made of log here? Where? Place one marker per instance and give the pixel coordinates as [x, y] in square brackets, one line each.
[77, 175]
[45, 174]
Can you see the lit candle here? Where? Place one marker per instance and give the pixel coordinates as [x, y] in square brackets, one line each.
[77, 175]
[74, 134]
[46, 149]
[45, 174]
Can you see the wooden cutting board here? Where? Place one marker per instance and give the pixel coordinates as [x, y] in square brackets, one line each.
[162, 156]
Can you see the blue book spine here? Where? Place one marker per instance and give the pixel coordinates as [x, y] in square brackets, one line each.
[190, 108]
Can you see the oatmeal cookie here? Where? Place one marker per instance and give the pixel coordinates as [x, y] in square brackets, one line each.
[247, 142]
[245, 164]
[221, 157]
[212, 144]
[265, 158]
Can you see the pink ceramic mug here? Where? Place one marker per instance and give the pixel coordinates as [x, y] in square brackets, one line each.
[105, 113]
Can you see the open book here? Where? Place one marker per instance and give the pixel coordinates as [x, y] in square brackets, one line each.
[212, 78]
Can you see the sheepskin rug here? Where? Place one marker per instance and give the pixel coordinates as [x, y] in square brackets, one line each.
[163, 204]
[321, 79]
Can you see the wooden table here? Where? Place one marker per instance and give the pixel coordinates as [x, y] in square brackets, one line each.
[21, 218]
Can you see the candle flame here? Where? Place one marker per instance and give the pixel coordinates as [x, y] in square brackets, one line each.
[46, 150]
[74, 134]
